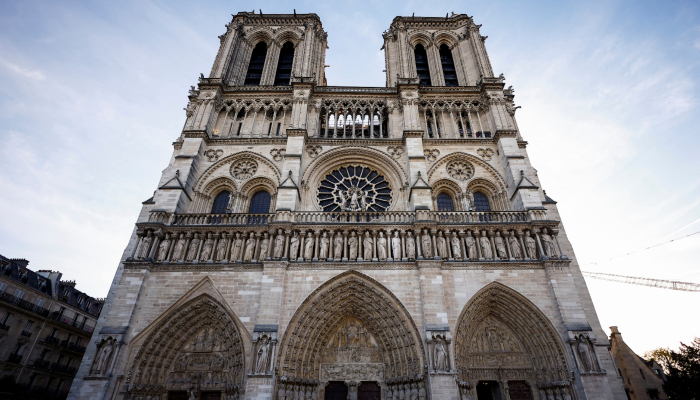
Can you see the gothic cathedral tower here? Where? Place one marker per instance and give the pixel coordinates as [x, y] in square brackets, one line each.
[309, 241]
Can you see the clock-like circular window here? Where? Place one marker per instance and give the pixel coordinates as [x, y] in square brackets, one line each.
[354, 188]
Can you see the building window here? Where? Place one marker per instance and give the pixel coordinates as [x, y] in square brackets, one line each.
[448, 66]
[444, 202]
[354, 188]
[257, 62]
[422, 67]
[481, 202]
[19, 294]
[81, 299]
[221, 202]
[7, 319]
[3, 286]
[284, 65]
[66, 294]
[260, 203]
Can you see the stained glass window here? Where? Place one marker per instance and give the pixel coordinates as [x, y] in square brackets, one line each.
[354, 188]
[221, 202]
[481, 202]
[260, 203]
[444, 202]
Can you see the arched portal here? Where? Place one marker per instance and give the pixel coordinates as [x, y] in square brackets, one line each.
[504, 340]
[351, 329]
[197, 345]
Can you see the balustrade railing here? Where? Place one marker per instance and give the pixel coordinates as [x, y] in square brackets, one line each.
[395, 217]
[479, 217]
[222, 219]
[8, 298]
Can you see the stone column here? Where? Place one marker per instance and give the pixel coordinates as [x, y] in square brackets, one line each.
[493, 245]
[286, 245]
[543, 255]
[404, 256]
[465, 253]
[188, 238]
[315, 255]
[555, 234]
[507, 244]
[477, 238]
[436, 256]
[345, 247]
[522, 245]
[374, 246]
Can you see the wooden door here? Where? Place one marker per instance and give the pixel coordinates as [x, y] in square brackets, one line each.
[336, 391]
[369, 391]
[519, 390]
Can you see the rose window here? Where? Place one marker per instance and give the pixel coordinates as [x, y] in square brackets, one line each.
[244, 169]
[460, 170]
[354, 188]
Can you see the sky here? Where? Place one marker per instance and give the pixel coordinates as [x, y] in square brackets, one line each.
[92, 96]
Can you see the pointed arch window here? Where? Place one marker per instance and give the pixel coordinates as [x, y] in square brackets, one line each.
[255, 67]
[448, 66]
[444, 202]
[260, 203]
[221, 202]
[422, 67]
[481, 202]
[284, 65]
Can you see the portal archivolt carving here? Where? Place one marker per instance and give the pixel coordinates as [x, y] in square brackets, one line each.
[350, 328]
[197, 347]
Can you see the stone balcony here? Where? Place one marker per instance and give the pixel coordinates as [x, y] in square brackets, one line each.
[328, 237]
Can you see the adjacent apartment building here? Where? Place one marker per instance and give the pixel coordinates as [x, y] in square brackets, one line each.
[642, 379]
[45, 325]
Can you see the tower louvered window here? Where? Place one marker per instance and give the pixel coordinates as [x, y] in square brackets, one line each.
[284, 65]
[422, 68]
[257, 62]
[448, 66]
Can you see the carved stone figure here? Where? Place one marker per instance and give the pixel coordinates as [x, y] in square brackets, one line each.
[325, 243]
[550, 247]
[194, 247]
[440, 357]
[207, 248]
[179, 251]
[309, 247]
[338, 246]
[263, 356]
[353, 241]
[442, 246]
[237, 248]
[101, 362]
[470, 199]
[264, 246]
[500, 246]
[421, 391]
[426, 245]
[221, 248]
[410, 246]
[367, 244]
[414, 392]
[381, 247]
[279, 245]
[249, 248]
[485, 246]
[471, 246]
[456, 246]
[294, 246]
[145, 246]
[281, 392]
[585, 354]
[531, 247]
[515, 249]
[396, 246]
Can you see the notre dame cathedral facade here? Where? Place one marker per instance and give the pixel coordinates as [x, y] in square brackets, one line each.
[309, 241]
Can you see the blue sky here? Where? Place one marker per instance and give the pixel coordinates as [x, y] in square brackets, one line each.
[91, 98]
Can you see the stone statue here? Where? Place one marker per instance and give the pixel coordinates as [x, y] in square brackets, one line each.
[442, 246]
[515, 249]
[531, 246]
[309, 247]
[207, 248]
[456, 246]
[353, 241]
[381, 247]
[584, 353]
[471, 246]
[338, 246]
[102, 361]
[426, 245]
[367, 244]
[221, 248]
[281, 393]
[548, 243]
[194, 246]
[500, 246]
[363, 201]
[290, 392]
[294, 246]
[485, 246]
[145, 245]
[352, 392]
[179, 251]
[421, 391]
[414, 392]
[342, 200]
[264, 246]
[237, 249]
[325, 243]
[263, 356]
[396, 246]
[249, 248]
[354, 200]
[410, 246]
[389, 394]
[307, 395]
[470, 198]
[279, 245]
[440, 356]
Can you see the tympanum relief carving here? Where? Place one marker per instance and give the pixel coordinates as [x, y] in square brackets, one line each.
[493, 345]
[352, 343]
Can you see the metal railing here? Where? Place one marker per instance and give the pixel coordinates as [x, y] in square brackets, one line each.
[56, 316]
[16, 301]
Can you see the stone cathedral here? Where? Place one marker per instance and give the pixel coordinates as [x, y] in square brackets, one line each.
[311, 242]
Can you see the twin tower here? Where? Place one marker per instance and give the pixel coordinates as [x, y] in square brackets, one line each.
[309, 241]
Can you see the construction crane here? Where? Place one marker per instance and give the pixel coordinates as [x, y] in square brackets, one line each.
[634, 280]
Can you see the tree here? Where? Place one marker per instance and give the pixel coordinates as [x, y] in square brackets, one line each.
[683, 366]
[662, 355]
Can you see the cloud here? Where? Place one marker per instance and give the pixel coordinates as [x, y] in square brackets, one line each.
[25, 72]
